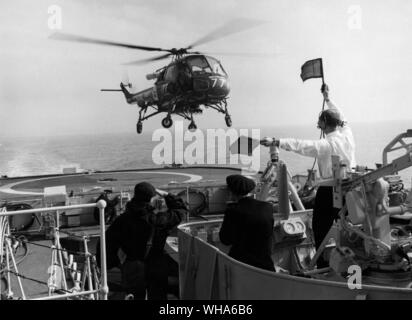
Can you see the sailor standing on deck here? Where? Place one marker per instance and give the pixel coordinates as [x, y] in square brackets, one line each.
[338, 141]
[247, 225]
[141, 232]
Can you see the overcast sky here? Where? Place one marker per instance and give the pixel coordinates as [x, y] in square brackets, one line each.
[52, 87]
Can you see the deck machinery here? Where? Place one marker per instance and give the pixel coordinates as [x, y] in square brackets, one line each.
[374, 230]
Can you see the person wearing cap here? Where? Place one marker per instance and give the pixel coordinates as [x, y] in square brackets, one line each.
[140, 234]
[247, 225]
[338, 140]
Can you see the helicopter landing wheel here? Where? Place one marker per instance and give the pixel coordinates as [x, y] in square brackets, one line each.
[228, 120]
[139, 127]
[167, 122]
[192, 126]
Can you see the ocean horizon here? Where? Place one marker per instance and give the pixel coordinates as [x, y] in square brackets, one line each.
[24, 156]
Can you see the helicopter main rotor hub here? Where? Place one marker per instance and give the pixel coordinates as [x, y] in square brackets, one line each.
[178, 52]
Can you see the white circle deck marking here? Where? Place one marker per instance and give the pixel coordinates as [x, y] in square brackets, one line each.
[7, 188]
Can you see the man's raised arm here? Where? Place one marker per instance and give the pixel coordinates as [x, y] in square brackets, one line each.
[331, 105]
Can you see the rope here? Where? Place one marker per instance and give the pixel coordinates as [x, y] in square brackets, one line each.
[66, 250]
[71, 234]
[26, 278]
[41, 282]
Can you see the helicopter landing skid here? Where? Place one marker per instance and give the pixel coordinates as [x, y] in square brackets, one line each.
[186, 113]
[139, 124]
[222, 108]
[219, 106]
[150, 115]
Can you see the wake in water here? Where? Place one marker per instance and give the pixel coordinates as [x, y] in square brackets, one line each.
[32, 159]
[29, 163]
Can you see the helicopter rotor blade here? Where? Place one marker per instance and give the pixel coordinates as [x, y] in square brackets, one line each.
[144, 61]
[243, 54]
[231, 27]
[75, 38]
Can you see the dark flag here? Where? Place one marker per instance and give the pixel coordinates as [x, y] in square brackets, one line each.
[312, 69]
[244, 145]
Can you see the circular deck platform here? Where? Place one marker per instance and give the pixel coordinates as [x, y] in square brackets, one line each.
[122, 179]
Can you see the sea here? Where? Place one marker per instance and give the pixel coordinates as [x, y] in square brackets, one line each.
[25, 156]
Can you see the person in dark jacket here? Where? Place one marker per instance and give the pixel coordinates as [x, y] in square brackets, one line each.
[110, 210]
[141, 232]
[248, 225]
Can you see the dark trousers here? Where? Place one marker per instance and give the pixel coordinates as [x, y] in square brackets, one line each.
[323, 215]
[133, 278]
[156, 276]
[151, 275]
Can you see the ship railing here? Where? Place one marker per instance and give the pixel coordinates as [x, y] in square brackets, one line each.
[102, 290]
[396, 144]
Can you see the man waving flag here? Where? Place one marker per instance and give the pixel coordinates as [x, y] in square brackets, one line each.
[312, 69]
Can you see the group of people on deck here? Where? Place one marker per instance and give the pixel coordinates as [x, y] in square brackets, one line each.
[140, 232]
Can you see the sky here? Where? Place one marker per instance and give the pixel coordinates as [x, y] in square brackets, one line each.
[50, 87]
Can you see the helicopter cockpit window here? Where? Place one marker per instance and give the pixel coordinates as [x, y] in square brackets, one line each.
[171, 73]
[216, 66]
[198, 64]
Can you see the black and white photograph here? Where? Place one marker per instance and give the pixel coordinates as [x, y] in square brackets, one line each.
[230, 151]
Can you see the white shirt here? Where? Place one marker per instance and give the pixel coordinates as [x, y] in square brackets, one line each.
[339, 142]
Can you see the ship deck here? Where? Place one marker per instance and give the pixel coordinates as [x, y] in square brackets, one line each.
[33, 186]
[35, 265]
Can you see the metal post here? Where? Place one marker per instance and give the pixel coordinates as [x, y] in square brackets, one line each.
[95, 279]
[274, 153]
[2, 222]
[269, 176]
[283, 192]
[15, 267]
[104, 289]
[9, 292]
[59, 247]
[89, 270]
[52, 276]
[188, 204]
[295, 197]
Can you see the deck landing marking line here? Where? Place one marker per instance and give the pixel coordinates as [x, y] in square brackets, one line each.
[7, 188]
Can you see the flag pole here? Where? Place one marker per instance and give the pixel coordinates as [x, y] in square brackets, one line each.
[322, 134]
[321, 68]
[323, 81]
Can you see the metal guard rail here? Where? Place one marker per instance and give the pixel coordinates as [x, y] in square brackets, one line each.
[101, 204]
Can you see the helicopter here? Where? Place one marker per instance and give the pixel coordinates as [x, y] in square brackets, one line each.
[191, 80]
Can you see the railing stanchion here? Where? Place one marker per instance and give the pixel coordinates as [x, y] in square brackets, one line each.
[101, 204]
[57, 252]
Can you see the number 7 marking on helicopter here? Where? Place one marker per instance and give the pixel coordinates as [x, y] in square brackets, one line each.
[217, 80]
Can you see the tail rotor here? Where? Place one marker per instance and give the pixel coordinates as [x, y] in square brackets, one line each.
[125, 79]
